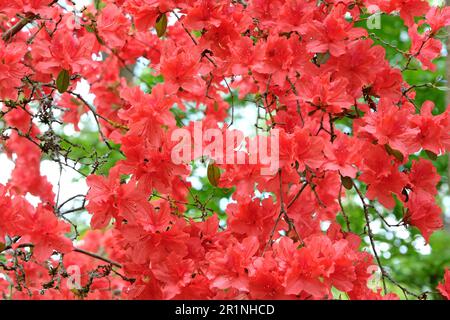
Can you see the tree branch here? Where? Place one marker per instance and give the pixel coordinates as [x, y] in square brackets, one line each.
[9, 34]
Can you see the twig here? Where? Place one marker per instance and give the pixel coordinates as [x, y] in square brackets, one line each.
[284, 214]
[370, 234]
[99, 257]
[9, 34]
[347, 222]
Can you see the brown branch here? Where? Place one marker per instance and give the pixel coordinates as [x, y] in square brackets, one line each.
[99, 257]
[347, 222]
[90, 254]
[370, 234]
[29, 17]
[10, 33]
[185, 29]
[283, 213]
[384, 274]
[297, 195]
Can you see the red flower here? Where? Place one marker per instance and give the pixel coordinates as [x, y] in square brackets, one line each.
[113, 26]
[63, 51]
[438, 18]
[75, 109]
[266, 280]
[391, 125]
[45, 231]
[382, 176]
[423, 213]
[325, 92]
[424, 177]
[424, 47]
[181, 71]
[343, 155]
[332, 34]
[434, 133]
[12, 69]
[253, 218]
[307, 149]
[444, 286]
[360, 65]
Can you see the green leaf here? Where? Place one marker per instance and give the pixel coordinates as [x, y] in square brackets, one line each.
[213, 173]
[397, 154]
[89, 28]
[161, 25]
[431, 155]
[99, 4]
[347, 182]
[322, 58]
[63, 81]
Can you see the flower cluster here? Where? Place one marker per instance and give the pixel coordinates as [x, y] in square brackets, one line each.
[305, 64]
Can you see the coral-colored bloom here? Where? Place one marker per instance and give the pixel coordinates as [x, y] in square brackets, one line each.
[113, 26]
[424, 48]
[423, 213]
[444, 286]
[12, 70]
[382, 176]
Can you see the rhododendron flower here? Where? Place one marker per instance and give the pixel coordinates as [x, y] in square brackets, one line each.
[180, 71]
[423, 213]
[11, 69]
[41, 227]
[307, 149]
[325, 93]
[278, 61]
[26, 6]
[423, 176]
[387, 85]
[113, 26]
[389, 125]
[438, 18]
[63, 52]
[108, 200]
[444, 287]
[382, 177]
[74, 109]
[424, 48]
[252, 218]
[329, 135]
[229, 271]
[343, 155]
[434, 134]
[359, 65]
[266, 281]
[410, 9]
[332, 34]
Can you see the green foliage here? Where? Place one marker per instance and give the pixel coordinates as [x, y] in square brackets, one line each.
[209, 196]
[91, 152]
[148, 79]
[63, 81]
[161, 25]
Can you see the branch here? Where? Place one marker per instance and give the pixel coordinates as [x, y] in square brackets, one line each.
[29, 17]
[347, 221]
[384, 274]
[90, 254]
[370, 234]
[284, 214]
[99, 257]
[9, 34]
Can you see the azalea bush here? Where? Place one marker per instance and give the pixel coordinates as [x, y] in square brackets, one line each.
[348, 98]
